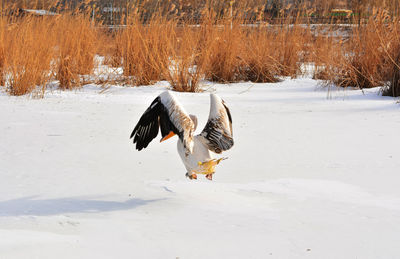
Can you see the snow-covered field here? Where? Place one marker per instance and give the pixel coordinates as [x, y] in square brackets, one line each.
[308, 177]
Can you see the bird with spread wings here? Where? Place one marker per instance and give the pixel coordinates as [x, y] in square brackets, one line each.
[168, 115]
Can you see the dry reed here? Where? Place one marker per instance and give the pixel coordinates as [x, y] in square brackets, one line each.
[77, 46]
[366, 59]
[35, 50]
[225, 46]
[3, 24]
[28, 55]
[393, 88]
[275, 51]
[143, 47]
[187, 60]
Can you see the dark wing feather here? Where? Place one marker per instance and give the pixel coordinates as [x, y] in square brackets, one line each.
[159, 116]
[166, 125]
[229, 115]
[147, 127]
[218, 130]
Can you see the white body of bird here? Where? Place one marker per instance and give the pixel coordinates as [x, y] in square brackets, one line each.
[200, 153]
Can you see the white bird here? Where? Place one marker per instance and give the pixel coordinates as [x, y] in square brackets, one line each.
[166, 113]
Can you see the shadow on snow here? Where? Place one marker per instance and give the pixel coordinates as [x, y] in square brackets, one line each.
[30, 206]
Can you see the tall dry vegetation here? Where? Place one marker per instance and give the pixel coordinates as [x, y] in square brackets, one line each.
[77, 45]
[36, 50]
[3, 25]
[27, 52]
[225, 49]
[188, 58]
[262, 63]
[258, 54]
[368, 58]
[276, 51]
[143, 50]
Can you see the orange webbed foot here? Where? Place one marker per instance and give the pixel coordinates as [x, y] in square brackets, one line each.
[192, 176]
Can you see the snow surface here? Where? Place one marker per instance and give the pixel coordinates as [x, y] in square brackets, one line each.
[313, 174]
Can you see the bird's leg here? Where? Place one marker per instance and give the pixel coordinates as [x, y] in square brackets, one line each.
[191, 176]
[209, 176]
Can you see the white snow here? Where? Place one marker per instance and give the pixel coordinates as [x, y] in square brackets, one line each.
[313, 174]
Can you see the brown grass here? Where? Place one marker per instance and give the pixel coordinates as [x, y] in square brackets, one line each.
[3, 25]
[188, 58]
[289, 45]
[275, 51]
[36, 50]
[110, 49]
[77, 46]
[259, 62]
[143, 49]
[366, 59]
[393, 89]
[28, 54]
[225, 47]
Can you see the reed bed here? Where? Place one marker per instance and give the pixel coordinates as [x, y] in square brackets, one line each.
[62, 49]
[143, 50]
[3, 25]
[188, 59]
[225, 46]
[76, 47]
[27, 52]
[368, 58]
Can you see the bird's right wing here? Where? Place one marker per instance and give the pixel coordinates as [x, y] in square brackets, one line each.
[166, 113]
[217, 133]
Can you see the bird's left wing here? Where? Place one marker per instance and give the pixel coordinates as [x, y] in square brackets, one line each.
[166, 113]
[217, 133]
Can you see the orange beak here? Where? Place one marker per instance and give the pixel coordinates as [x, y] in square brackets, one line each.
[171, 134]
